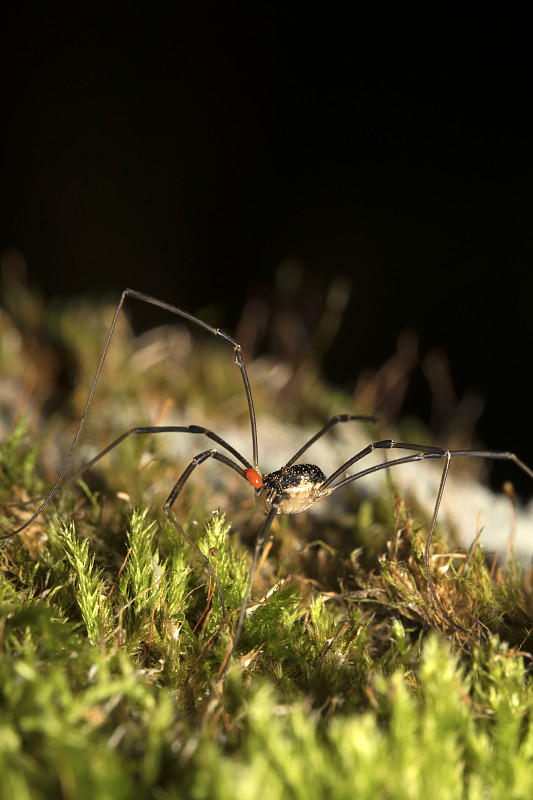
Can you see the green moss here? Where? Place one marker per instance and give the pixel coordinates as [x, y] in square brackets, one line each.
[114, 672]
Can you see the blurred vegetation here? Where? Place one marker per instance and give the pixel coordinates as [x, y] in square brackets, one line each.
[114, 679]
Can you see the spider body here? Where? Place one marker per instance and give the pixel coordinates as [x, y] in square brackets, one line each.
[289, 490]
[296, 488]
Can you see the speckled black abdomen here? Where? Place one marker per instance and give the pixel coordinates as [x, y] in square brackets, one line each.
[298, 485]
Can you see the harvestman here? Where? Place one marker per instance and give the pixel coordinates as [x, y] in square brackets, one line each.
[289, 490]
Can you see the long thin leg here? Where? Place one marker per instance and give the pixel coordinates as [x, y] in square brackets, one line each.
[195, 429]
[423, 452]
[151, 429]
[334, 421]
[199, 459]
[259, 544]
[427, 549]
[185, 315]
[173, 496]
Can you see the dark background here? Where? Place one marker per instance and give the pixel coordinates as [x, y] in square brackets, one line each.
[188, 153]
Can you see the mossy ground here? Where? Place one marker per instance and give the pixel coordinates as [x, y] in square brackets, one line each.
[114, 679]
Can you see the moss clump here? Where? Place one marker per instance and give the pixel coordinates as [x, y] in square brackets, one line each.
[114, 672]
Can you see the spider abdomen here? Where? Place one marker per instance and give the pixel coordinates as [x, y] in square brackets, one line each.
[298, 485]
